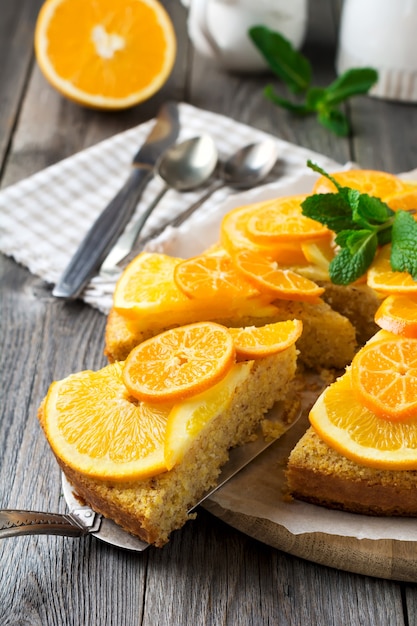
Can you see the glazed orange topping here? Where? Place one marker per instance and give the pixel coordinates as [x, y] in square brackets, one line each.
[179, 363]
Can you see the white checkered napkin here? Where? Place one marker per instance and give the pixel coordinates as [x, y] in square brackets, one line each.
[44, 218]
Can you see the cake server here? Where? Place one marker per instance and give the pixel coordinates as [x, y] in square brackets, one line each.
[111, 222]
[82, 520]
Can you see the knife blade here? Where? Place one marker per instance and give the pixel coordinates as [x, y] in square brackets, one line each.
[82, 520]
[111, 222]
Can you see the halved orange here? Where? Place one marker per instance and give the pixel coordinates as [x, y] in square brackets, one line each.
[179, 363]
[282, 220]
[267, 275]
[384, 279]
[359, 434]
[384, 375]
[208, 276]
[398, 315]
[256, 342]
[105, 54]
[235, 237]
[95, 427]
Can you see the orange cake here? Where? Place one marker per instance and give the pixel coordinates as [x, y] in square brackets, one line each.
[145, 460]
[298, 279]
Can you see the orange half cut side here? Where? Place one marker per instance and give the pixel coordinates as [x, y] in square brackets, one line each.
[105, 54]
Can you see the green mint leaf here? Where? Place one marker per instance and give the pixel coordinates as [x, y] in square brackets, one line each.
[301, 109]
[371, 210]
[353, 82]
[286, 62]
[384, 235]
[334, 120]
[316, 168]
[404, 244]
[315, 97]
[330, 209]
[353, 260]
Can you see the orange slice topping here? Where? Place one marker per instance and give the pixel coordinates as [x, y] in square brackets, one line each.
[384, 375]
[281, 220]
[398, 315]
[95, 427]
[188, 420]
[253, 342]
[266, 275]
[384, 279]
[235, 237]
[105, 54]
[209, 276]
[179, 363]
[372, 182]
[361, 435]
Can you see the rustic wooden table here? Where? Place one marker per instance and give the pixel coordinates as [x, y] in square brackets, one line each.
[209, 573]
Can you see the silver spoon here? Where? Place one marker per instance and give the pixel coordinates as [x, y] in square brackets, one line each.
[246, 168]
[183, 167]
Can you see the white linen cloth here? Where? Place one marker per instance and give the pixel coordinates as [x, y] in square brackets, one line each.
[44, 218]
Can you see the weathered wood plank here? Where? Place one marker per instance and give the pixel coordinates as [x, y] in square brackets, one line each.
[209, 574]
[16, 54]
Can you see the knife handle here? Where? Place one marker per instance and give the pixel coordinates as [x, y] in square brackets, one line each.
[102, 235]
[14, 523]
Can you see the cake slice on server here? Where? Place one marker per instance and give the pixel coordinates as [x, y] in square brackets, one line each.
[141, 441]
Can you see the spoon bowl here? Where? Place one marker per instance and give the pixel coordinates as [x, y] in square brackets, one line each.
[250, 165]
[244, 169]
[189, 164]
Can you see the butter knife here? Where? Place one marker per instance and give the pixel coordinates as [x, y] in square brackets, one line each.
[111, 222]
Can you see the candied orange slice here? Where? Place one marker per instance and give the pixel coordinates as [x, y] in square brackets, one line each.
[361, 435]
[179, 363]
[406, 200]
[147, 284]
[282, 220]
[234, 237]
[384, 279]
[105, 54]
[266, 275]
[384, 375]
[208, 276]
[256, 342]
[372, 182]
[398, 315]
[95, 427]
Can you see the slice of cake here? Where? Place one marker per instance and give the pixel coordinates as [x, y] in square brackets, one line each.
[360, 454]
[318, 474]
[149, 300]
[146, 464]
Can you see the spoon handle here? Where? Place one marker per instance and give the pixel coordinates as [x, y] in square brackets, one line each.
[128, 239]
[182, 217]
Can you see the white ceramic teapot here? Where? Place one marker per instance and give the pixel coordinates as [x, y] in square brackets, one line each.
[219, 28]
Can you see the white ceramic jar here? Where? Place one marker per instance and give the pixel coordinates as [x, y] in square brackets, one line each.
[219, 28]
[381, 34]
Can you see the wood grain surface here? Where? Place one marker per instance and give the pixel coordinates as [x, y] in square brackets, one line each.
[209, 573]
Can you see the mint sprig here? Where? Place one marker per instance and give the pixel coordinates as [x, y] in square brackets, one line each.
[294, 69]
[362, 223]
